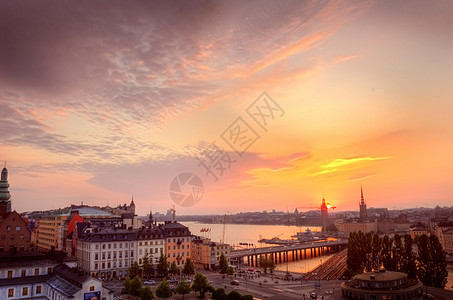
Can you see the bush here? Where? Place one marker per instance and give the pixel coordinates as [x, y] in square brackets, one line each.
[247, 297]
[219, 294]
[233, 295]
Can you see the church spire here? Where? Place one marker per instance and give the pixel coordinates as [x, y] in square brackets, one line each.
[362, 201]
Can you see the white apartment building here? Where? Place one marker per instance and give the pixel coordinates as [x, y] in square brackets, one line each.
[32, 275]
[151, 242]
[106, 253]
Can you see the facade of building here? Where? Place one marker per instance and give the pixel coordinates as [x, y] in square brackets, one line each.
[14, 232]
[445, 236]
[106, 253]
[32, 275]
[151, 243]
[382, 285]
[206, 253]
[177, 242]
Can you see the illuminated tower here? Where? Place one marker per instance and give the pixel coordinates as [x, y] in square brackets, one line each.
[324, 215]
[5, 196]
[362, 206]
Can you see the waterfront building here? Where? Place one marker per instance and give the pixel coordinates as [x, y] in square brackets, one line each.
[177, 242]
[33, 275]
[382, 284]
[14, 232]
[206, 253]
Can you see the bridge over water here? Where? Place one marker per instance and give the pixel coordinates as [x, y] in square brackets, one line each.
[281, 254]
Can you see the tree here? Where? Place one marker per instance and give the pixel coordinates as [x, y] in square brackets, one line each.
[183, 288]
[386, 252]
[219, 294]
[397, 253]
[127, 285]
[134, 270]
[189, 268]
[162, 266]
[173, 269]
[409, 265]
[234, 295]
[147, 267]
[267, 263]
[163, 290]
[431, 264]
[200, 284]
[247, 297]
[135, 287]
[146, 293]
[223, 264]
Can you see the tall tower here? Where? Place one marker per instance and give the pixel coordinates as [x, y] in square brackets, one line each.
[132, 206]
[5, 196]
[362, 205]
[324, 215]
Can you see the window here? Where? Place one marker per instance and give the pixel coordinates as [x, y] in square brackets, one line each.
[103, 246]
[49, 270]
[108, 265]
[17, 228]
[110, 246]
[97, 246]
[21, 237]
[24, 273]
[38, 289]
[92, 288]
[10, 293]
[103, 255]
[10, 274]
[8, 228]
[24, 291]
[36, 271]
[103, 265]
[132, 253]
[96, 266]
[96, 256]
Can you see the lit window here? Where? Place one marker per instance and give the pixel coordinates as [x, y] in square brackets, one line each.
[24, 291]
[10, 292]
[92, 288]
[38, 289]
[17, 228]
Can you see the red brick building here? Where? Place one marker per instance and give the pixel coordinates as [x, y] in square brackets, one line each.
[14, 233]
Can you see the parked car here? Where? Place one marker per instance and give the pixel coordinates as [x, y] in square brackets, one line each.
[234, 282]
[151, 282]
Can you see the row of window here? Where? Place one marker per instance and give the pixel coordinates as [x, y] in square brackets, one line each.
[109, 255]
[12, 237]
[23, 272]
[160, 242]
[179, 254]
[110, 265]
[8, 228]
[25, 291]
[110, 246]
[179, 247]
[12, 248]
[156, 250]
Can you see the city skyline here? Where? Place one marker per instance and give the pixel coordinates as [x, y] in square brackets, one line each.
[102, 104]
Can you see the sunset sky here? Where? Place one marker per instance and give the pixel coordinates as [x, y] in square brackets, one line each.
[102, 100]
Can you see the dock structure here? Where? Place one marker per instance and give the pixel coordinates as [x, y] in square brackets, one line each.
[282, 254]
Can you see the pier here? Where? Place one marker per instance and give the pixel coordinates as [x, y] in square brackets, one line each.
[282, 254]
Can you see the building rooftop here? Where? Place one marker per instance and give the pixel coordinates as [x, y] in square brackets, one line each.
[380, 276]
